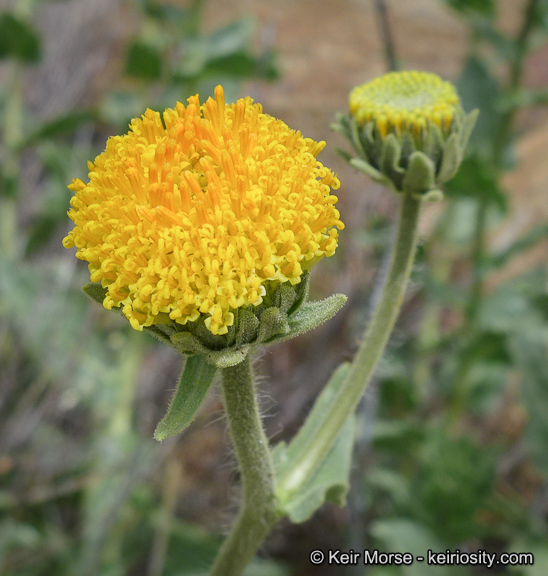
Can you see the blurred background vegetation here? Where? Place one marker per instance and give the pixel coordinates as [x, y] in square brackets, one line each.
[452, 442]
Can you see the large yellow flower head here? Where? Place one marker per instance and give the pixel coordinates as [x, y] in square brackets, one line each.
[199, 211]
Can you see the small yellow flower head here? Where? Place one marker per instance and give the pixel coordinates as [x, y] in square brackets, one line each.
[409, 131]
[405, 101]
[199, 212]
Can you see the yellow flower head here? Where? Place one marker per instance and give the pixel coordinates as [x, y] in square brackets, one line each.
[405, 100]
[197, 212]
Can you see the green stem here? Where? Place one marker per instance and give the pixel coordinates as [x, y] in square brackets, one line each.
[370, 351]
[386, 33]
[258, 512]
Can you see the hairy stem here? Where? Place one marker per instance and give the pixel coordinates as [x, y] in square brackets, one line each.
[258, 512]
[370, 351]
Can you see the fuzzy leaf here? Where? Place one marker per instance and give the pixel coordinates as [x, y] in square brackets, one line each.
[248, 327]
[229, 357]
[96, 292]
[433, 195]
[287, 298]
[273, 323]
[434, 145]
[407, 145]
[311, 315]
[344, 154]
[186, 343]
[420, 174]
[391, 154]
[314, 422]
[366, 168]
[452, 158]
[196, 380]
[158, 333]
[329, 483]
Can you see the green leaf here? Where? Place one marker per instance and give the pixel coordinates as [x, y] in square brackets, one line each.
[452, 158]
[273, 323]
[230, 39]
[329, 483]
[243, 65]
[473, 7]
[248, 327]
[419, 176]
[18, 39]
[273, 327]
[223, 51]
[95, 291]
[539, 16]
[187, 343]
[67, 123]
[311, 315]
[196, 380]
[144, 61]
[363, 166]
[391, 156]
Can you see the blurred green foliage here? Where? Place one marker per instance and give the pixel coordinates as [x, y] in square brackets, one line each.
[18, 39]
[170, 56]
[458, 454]
[459, 449]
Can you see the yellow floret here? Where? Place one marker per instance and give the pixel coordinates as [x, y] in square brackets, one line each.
[193, 211]
[405, 100]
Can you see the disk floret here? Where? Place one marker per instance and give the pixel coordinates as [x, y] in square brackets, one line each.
[409, 131]
[201, 213]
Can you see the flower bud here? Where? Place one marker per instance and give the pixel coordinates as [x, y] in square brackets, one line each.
[409, 131]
